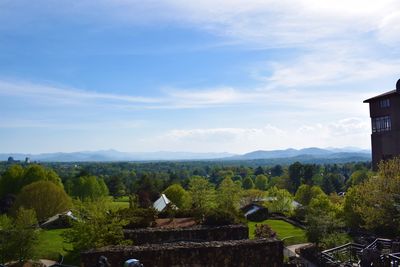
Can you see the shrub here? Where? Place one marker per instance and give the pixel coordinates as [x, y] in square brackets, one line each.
[137, 217]
[216, 217]
[264, 231]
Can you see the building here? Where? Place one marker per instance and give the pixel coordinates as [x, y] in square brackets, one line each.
[161, 203]
[385, 120]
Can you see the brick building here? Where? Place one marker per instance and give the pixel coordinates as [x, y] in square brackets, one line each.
[385, 120]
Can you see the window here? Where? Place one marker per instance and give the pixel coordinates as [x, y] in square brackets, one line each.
[381, 124]
[384, 103]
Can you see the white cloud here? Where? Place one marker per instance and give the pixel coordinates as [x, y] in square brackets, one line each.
[65, 95]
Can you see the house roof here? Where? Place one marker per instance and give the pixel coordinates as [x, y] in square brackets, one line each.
[393, 92]
[57, 216]
[161, 203]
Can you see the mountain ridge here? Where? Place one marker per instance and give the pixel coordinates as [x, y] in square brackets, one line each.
[114, 155]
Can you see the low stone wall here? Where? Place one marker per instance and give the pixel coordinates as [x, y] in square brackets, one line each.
[196, 234]
[249, 253]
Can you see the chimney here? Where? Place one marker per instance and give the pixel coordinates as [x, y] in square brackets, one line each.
[398, 86]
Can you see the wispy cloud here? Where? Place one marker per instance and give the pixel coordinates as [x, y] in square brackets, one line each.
[66, 95]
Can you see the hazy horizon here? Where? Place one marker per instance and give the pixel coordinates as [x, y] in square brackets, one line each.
[182, 151]
[233, 76]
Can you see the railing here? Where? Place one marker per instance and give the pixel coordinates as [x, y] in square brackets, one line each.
[348, 253]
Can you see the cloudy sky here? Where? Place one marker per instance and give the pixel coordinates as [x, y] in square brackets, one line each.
[201, 76]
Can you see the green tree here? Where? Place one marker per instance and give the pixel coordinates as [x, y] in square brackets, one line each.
[251, 196]
[248, 183]
[322, 220]
[357, 177]
[178, 196]
[89, 187]
[296, 173]
[280, 200]
[36, 173]
[229, 195]
[10, 181]
[96, 227]
[202, 193]
[46, 198]
[351, 208]
[276, 171]
[306, 193]
[18, 237]
[261, 182]
[379, 199]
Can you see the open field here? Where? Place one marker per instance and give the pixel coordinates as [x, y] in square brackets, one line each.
[290, 233]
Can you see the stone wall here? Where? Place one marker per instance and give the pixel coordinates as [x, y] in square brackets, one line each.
[249, 253]
[196, 234]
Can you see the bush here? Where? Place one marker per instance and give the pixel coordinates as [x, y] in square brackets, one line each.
[178, 213]
[264, 231]
[216, 218]
[137, 217]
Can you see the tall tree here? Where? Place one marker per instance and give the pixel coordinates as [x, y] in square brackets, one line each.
[248, 183]
[202, 193]
[229, 195]
[18, 237]
[46, 198]
[178, 196]
[261, 182]
[296, 172]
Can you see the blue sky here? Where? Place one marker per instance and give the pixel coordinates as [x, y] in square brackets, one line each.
[201, 76]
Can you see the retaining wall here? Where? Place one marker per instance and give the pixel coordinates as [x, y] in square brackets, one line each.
[196, 234]
[240, 253]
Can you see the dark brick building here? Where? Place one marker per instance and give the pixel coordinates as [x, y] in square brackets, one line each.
[385, 119]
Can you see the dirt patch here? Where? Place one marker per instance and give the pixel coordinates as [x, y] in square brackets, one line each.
[175, 223]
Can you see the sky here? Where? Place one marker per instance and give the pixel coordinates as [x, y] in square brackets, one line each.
[201, 76]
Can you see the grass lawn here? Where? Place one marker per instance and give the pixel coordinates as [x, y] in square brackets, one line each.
[51, 244]
[284, 230]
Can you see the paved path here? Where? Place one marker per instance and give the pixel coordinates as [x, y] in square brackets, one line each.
[47, 262]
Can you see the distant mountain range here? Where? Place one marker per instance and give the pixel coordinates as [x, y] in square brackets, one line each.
[306, 154]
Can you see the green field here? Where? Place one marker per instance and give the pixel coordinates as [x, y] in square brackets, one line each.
[51, 244]
[290, 233]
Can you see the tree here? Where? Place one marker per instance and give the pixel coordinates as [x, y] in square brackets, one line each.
[229, 195]
[306, 193]
[248, 183]
[36, 173]
[202, 193]
[276, 171]
[46, 198]
[309, 170]
[252, 195]
[357, 177]
[280, 200]
[88, 187]
[16, 177]
[259, 170]
[178, 196]
[351, 208]
[96, 227]
[10, 181]
[18, 237]
[379, 199]
[116, 186]
[296, 172]
[261, 182]
[322, 220]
